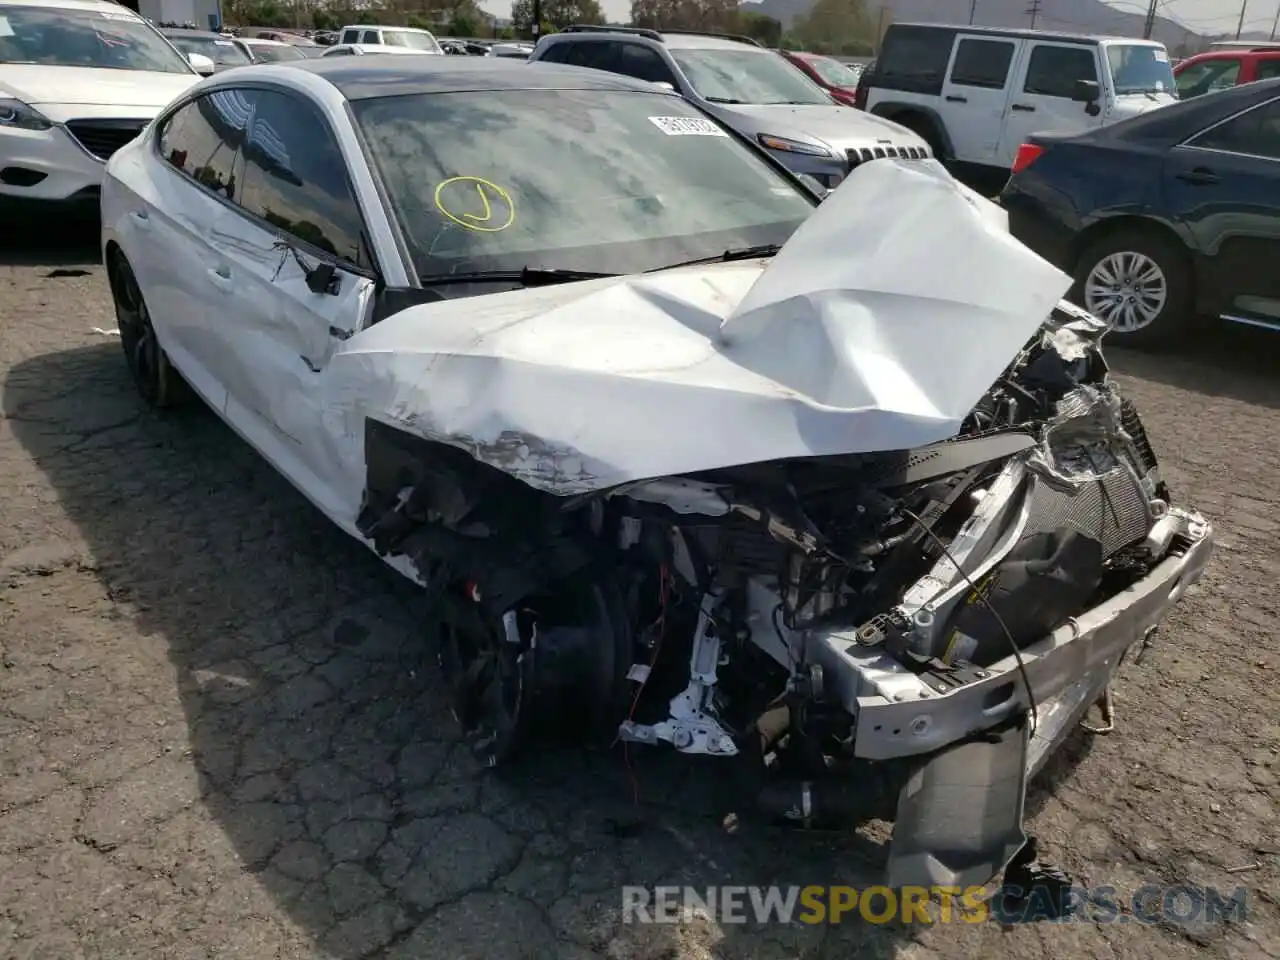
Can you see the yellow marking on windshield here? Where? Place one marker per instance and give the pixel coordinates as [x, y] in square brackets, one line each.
[488, 193]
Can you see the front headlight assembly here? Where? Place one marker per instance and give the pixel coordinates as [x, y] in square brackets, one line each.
[792, 146]
[14, 114]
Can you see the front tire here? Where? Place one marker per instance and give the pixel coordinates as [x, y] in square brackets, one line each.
[1139, 283]
[157, 381]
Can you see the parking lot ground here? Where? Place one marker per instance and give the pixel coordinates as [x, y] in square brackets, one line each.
[219, 736]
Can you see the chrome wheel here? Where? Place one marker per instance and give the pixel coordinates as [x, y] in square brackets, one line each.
[1126, 289]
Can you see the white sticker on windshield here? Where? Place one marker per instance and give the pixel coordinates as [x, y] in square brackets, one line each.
[5, 29]
[687, 127]
[223, 43]
[1160, 56]
[114, 15]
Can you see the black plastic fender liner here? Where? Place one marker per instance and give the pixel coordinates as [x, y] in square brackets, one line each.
[959, 818]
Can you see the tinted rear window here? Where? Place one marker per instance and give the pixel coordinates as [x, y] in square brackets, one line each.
[914, 55]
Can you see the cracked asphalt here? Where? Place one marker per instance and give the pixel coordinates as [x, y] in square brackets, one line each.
[220, 735]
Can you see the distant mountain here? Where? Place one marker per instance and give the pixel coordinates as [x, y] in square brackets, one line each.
[1074, 16]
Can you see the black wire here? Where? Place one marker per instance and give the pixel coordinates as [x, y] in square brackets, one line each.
[981, 597]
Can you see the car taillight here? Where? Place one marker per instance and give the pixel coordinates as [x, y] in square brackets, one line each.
[1027, 154]
[860, 97]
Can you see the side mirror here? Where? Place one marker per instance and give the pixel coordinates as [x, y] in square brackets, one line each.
[1086, 91]
[202, 64]
[813, 183]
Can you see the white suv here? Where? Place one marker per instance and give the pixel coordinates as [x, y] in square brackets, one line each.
[977, 93]
[370, 34]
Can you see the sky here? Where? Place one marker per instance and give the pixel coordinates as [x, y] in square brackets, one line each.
[1202, 16]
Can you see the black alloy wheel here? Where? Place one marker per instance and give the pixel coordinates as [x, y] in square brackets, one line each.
[156, 380]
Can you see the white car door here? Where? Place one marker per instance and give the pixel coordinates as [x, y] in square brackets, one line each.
[1042, 93]
[294, 280]
[191, 177]
[975, 95]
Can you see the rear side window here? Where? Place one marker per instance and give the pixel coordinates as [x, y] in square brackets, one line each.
[370, 36]
[1268, 69]
[914, 59]
[982, 63]
[202, 138]
[1053, 71]
[1255, 133]
[596, 54]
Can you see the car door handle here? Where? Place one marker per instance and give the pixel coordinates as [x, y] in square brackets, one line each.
[220, 277]
[1025, 107]
[1199, 176]
[952, 98]
[141, 218]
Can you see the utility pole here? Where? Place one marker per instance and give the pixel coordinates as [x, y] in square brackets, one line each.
[1150, 23]
[537, 19]
[973, 8]
[1033, 11]
[1276, 22]
[1244, 5]
[880, 28]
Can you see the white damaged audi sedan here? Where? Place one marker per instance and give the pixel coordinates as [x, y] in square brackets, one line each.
[836, 491]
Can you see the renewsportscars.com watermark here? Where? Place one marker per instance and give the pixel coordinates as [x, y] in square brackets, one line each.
[836, 904]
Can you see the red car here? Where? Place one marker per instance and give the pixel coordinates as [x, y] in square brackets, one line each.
[838, 79]
[1220, 69]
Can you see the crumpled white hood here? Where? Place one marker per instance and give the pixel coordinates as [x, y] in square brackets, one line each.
[878, 326]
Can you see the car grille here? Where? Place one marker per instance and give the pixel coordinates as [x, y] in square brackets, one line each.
[860, 155]
[102, 138]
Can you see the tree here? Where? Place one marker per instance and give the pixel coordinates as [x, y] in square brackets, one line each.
[720, 15]
[835, 26]
[556, 14]
[760, 28]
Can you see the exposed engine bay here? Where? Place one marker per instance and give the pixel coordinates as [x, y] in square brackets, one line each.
[901, 635]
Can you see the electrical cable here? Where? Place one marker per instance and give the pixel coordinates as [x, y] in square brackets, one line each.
[981, 598]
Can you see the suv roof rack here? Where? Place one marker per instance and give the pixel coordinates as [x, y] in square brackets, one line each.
[605, 28]
[649, 34]
[739, 37]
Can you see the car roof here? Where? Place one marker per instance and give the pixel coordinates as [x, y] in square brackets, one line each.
[383, 75]
[383, 26]
[192, 32]
[675, 40]
[1269, 53]
[1014, 32]
[107, 5]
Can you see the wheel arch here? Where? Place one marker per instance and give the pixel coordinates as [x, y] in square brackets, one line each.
[923, 120]
[1132, 223]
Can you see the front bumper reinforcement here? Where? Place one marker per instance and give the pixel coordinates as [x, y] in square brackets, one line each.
[959, 817]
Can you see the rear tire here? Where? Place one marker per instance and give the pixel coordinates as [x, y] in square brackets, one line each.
[1139, 283]
[157, 381]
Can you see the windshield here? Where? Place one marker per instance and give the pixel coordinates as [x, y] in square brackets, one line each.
[600, 181]
[267, 53]
[834, 72]
[746, 76]
[224, 53]
[1140, 69]
[1207, 76]
[85, 38]
[411, 39]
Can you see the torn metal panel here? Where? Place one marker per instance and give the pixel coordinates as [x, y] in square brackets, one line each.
[880, 323]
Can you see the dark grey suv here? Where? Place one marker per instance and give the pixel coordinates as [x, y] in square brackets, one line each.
[747, 88]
